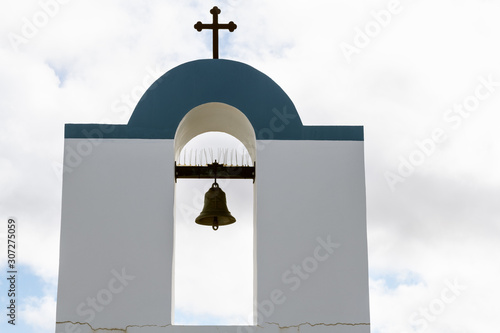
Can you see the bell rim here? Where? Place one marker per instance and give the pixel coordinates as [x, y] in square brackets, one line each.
[225, 220]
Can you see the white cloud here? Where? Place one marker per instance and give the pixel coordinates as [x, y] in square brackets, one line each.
[39, 313]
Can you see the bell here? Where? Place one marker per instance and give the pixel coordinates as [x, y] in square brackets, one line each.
[215, 212]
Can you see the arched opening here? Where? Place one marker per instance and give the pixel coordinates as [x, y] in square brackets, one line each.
[215, 117]
[213, 273]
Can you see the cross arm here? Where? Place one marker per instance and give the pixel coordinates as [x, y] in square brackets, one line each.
[200, 26]
[231, 26]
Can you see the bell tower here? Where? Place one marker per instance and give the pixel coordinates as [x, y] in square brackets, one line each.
[117, 229]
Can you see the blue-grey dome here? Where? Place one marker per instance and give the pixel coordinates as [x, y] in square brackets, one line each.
[198, 82]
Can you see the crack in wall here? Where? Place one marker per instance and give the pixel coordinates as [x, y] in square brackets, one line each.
[124, 330]
[317, 324]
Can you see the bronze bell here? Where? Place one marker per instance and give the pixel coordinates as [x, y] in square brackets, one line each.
[215, 210]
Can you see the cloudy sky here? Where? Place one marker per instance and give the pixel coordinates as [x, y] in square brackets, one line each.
[422, 77]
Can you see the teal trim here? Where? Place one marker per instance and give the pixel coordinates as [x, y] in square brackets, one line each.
[340, 133]
[102, 131]
[268, 108]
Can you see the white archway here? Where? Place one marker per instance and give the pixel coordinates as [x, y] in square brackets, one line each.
[201, 241]
[217, 117]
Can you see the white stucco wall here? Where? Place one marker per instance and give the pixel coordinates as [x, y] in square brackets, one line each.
[117, 219]
[311, 233]
[116, 233]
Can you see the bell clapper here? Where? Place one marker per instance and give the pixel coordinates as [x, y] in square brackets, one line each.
[215, 225]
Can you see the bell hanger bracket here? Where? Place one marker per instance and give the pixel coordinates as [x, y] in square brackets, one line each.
[214, 170]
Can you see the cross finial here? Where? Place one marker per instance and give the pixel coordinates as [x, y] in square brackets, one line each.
[215, 26]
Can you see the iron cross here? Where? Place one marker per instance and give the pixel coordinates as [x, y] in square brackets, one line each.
[215, 26]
